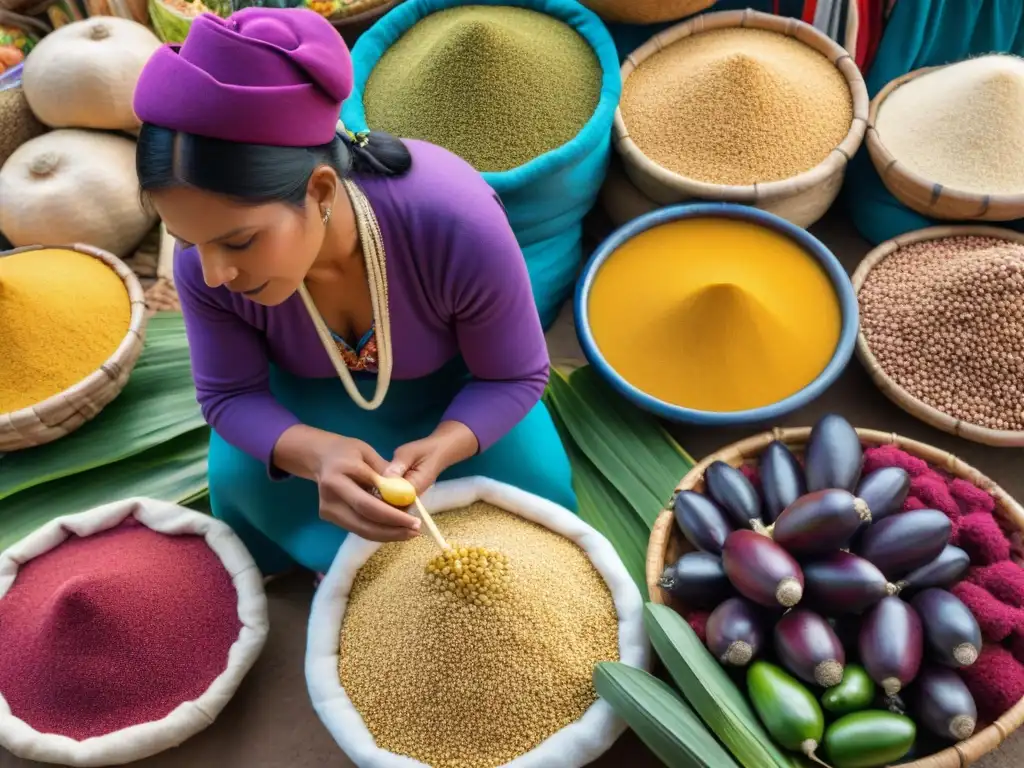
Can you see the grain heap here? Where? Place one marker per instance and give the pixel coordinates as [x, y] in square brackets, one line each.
[960, 126]
[497, 86]
[62, 314]
[945, 319]
[737, 107]
[455, 685]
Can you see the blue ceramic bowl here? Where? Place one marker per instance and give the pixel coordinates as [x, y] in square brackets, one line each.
[813, 246]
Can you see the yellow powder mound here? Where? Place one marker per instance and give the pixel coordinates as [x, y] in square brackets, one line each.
[737, 106]
[961, 126]
[62, 314]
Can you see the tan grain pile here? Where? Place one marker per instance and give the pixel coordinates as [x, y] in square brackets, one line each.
[737, 106]
[945, 319]
[455, 685]
[961, 126]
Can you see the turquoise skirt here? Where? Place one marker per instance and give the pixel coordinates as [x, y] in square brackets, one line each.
[279, 520]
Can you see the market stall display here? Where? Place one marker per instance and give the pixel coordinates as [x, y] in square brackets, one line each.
[356, 16]
[74, 186]
[18, 35]
[941, 332]
[907, 608]
[171, 19]
[518, 690]
[944, 140]
[547, 196]
[758, 306]
[73, 319]
[794, 103]
[646, 11]
[124, 631]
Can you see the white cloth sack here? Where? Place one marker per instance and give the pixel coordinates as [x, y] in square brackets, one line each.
[191, 717]
[577, 744]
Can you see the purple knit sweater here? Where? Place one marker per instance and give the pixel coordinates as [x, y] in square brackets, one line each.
[457, 284]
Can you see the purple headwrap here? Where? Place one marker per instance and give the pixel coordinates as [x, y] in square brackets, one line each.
[261, 76]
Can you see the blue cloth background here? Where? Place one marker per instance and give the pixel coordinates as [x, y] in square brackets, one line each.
[925, 33]
[548, 197]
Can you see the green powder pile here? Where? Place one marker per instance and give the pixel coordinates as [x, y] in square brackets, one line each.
[497, 86]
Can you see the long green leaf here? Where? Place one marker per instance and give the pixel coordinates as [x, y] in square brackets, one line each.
[710, 690]
[158, 404]
[659, 717]
[172, 472]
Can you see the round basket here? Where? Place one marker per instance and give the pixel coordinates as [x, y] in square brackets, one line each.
[927, 197]
[65, 412]
[575, 745]
[359, 17]
[803, 198]
[667, 544]
[646, 11]
[890, 388]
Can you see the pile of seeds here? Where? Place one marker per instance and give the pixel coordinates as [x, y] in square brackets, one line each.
[457, 685]
[960, 126]
[496, 85]
[737, 106]
[945, 319]
[475, 575]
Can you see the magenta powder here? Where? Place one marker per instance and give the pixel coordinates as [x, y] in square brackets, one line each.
[115, 629]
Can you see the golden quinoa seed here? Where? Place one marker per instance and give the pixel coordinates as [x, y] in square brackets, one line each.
[454, 686]
[945, 320]
[477, 576]
[737, 107]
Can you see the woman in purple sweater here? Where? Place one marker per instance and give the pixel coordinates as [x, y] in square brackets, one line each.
[319, 271]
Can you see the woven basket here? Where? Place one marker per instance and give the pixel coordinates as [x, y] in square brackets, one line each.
[889, 387]
[667, 544]
[646, 11]
[805, 197]
[927, 197]
[65, 412]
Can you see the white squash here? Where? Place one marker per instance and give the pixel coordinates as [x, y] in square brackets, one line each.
[74, 186]
[83, 74]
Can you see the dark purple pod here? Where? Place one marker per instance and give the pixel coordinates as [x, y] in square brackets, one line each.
[891, 644]
[819, 522]
[702, 521]
[843, 583]
[698, 580]
[901, 543]
[735, 632]
[735, 494]
[944, 571]
[884, 491]
[808, 647]
[942, 703]
[834, 457]
[951, 632]
[761, 570]
[782, 479]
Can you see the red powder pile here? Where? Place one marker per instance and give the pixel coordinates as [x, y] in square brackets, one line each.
[113, 630]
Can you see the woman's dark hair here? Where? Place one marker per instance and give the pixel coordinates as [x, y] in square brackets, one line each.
[256, 173]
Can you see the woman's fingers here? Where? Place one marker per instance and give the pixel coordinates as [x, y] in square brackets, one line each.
[368, 506]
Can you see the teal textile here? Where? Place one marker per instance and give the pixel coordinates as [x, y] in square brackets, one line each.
[279, 520]
[547, 198]
[925, 33]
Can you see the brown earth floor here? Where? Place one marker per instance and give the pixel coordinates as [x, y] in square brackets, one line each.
[271, 724]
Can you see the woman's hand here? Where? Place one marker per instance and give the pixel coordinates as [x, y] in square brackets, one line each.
[421, 461]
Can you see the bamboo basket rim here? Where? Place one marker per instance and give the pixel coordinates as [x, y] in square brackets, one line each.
[887, 165]
[980, 743]
[800, 31]
[1001, 438]
[105, 377]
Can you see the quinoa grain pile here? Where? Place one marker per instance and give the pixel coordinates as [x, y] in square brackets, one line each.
[737, 106]
[945, 320]
[457, 685]
[496, 85]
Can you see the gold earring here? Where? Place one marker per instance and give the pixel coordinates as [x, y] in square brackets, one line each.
[326, 216]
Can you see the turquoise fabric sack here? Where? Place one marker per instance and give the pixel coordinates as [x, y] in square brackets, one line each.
[546, 198]
[925, 33]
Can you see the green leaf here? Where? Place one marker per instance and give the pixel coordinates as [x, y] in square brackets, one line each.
[172, 472]
[710, 690]
[158, 404]
[659, 717]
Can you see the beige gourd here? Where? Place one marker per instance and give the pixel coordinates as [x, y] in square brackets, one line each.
[74, 186]
[646, 11]
[83, 74]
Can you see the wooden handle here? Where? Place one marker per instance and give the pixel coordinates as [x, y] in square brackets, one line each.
[429, 521]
